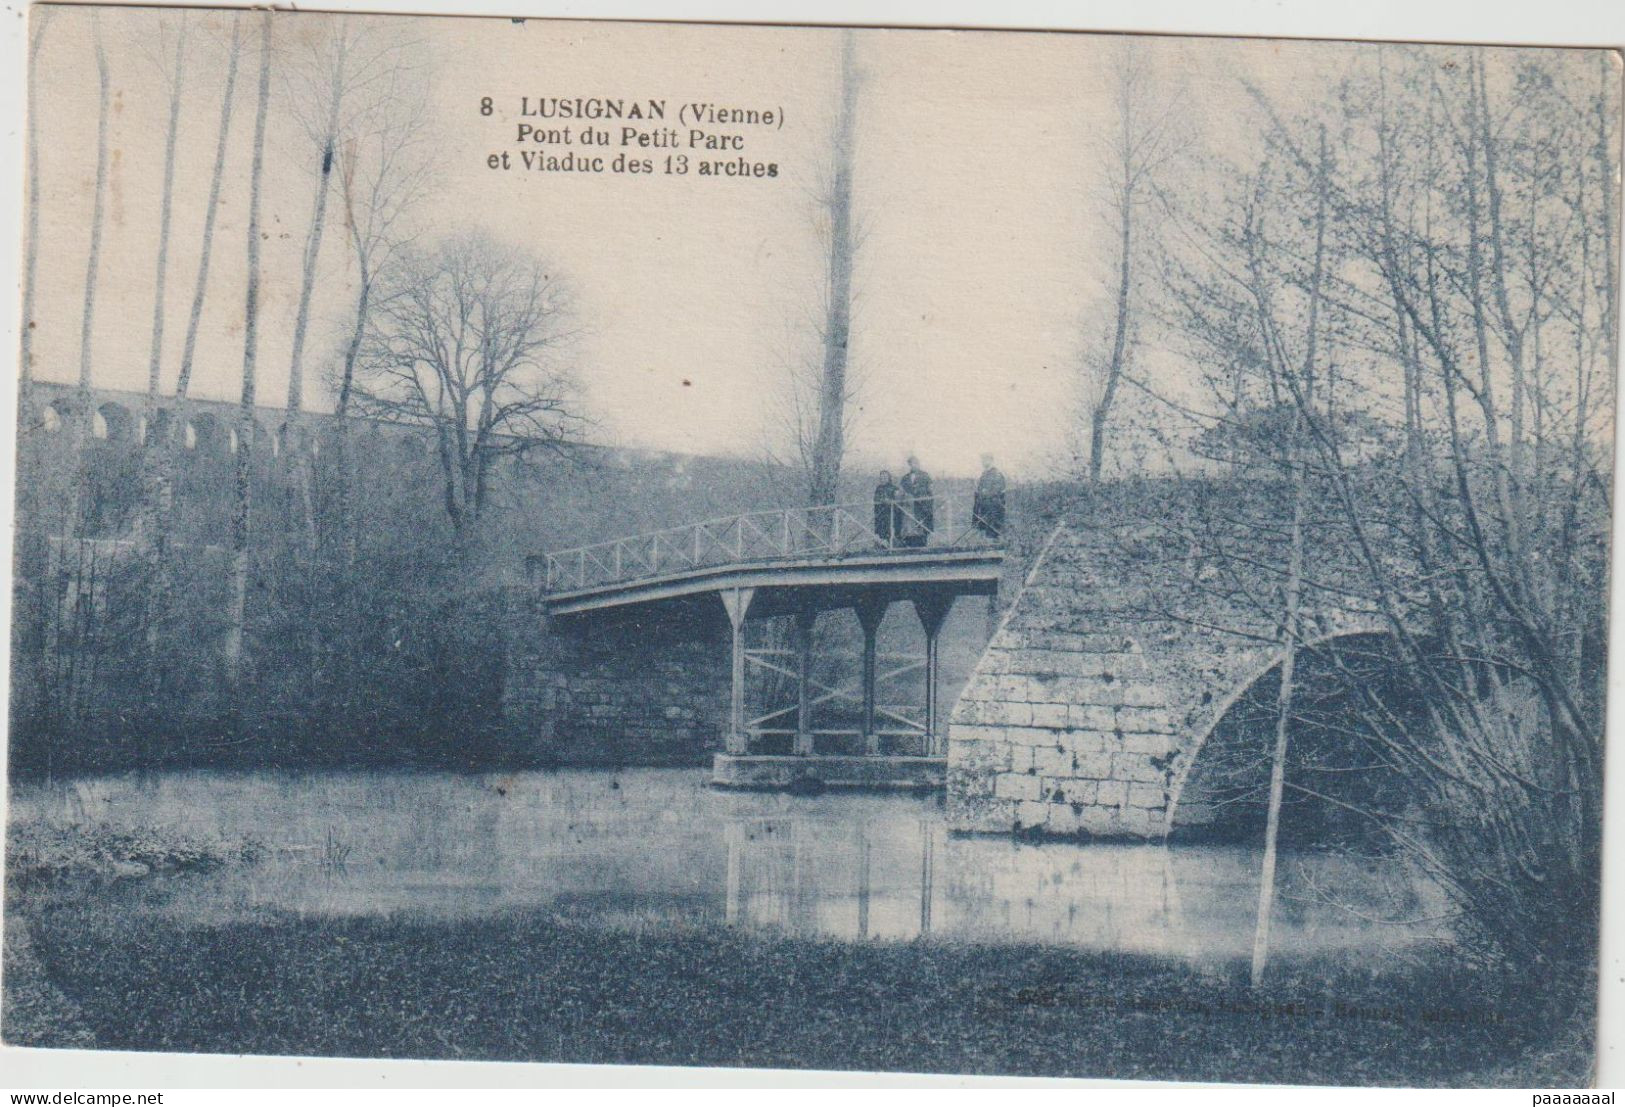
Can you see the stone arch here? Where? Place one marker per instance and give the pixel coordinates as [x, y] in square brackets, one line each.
[326, 431]
[295, 439]
[55, 415]
[267, 442]
[1111, 667]
[156, 431]
[204, 434]
[111, 423]
[1224, 772]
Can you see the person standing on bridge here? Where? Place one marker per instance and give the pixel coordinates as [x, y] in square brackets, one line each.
[887, 500]
[987, 509]
[918, 506]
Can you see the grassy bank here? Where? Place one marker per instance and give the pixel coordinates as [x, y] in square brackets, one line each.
[532, 987]
[40, 852]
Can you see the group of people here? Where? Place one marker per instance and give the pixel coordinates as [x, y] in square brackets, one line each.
[905, 511]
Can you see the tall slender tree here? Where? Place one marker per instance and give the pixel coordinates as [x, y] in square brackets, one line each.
[384, 169]
[333, 79]
[40, 19]
[829, 439]
[200, 286]
[1141, 142]
[152, 458]
[243, 485]
[149, 524]
[166, 439]
[176, 74]
[324, 136]
[84, 407]
[1297, 476]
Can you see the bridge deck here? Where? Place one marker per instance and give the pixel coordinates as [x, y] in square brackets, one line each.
[826, 553]
[821, 582]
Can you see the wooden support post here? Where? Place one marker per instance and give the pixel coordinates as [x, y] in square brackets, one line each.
[737, 603]
[932, 725]
[932, 608]
[736, 844]
[870, 610]
[928, 876]
[806, 618]
[863, 880]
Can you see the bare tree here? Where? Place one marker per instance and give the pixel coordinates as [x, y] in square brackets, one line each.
[84, 408]
[829, 442]
[385, 165]
[335, 79]
[151, 519]
[322, 81]
[165, 439]
[174, 73]
[1139, 146]
[1455, 258]
[243, 485]
[384, 168]
[87, 327]
[41, 19]
[200, 287]
[347, 71]
[466, 340]
[1276, 353]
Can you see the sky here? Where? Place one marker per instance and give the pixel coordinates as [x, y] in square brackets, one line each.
[981, 279]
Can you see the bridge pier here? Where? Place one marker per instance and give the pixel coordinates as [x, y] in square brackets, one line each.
[866, 765]
[737, 603]
[932, 609]
[801, 575]
[870, 610]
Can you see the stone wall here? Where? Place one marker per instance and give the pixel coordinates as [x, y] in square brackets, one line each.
[597, 690]
[1116, 659]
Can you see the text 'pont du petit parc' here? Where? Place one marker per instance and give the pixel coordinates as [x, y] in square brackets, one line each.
[634, 137]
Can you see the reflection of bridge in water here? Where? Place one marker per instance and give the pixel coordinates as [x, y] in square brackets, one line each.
[888, 876]
[795, 564]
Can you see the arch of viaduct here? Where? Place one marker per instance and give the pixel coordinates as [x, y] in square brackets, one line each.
[118, 418]
[1106, 690]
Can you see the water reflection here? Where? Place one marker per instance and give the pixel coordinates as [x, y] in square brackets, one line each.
[657, 846]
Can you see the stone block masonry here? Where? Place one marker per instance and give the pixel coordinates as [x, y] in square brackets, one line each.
[615, 692]
[1090, 697]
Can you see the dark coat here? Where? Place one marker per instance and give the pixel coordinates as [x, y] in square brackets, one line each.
[987, 510]
[920, 517]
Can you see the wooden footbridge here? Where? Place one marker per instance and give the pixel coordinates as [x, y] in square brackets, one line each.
[796, 563]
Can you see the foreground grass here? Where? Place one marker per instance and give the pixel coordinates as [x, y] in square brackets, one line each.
[531, 987]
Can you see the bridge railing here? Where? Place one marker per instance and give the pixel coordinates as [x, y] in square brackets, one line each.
[834, 531]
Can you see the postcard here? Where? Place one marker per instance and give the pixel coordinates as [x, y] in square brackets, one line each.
[764, 546]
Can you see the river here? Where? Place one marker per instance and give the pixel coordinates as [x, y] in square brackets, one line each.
[651, 847]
